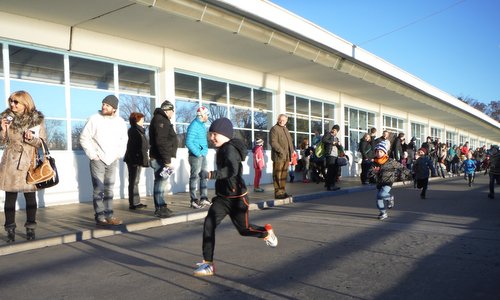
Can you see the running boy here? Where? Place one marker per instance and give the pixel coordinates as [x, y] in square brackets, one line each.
[469, 166]
[385, 171]
[421, 170]
[231, 194]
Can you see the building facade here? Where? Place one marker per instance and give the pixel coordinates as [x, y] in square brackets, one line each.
[245, 60]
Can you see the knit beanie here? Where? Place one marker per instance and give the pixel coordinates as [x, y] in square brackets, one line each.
[222, 126]
[423, 150]
[167, 105]
[259, 142]
[111, 100]
[381, 146]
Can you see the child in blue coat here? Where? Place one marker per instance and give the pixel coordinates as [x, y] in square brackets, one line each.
[469, 167]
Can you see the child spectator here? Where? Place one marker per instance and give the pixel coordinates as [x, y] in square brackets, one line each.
[231, 194]
[385, 171]
[469, 167]
[258, 164]
[293, 163]
[421, 169]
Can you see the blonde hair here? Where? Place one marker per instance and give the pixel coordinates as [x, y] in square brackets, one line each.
[25, 99]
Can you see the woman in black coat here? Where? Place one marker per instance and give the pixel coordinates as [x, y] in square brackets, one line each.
[136, 157]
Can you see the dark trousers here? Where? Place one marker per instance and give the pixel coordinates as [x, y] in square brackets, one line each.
[134, 174]
[280, 173]
[332, 170]
[422, 184]
[493, 178]
[10, 209]
[365, 168]
[237, 209]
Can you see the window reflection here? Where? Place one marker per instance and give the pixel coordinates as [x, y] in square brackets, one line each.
[90, 73]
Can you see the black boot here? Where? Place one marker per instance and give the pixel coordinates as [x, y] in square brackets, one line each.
[30, 234]
[11, 234]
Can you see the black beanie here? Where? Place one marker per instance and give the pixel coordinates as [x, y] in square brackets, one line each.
[222, 126]
[111, 100]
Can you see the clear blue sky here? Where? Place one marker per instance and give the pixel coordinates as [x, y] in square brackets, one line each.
[452, 44]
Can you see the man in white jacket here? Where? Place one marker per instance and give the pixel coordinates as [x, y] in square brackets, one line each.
[104, 140]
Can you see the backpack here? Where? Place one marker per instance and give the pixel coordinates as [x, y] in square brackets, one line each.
[320, 150]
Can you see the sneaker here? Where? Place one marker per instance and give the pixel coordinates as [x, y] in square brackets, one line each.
[390, 202]
[113, 221]
[163, 212]
[196, 204]
[205, 202]
[258, 190]
[271, 239]
[101, 222]
[382, 216]
[204, 269]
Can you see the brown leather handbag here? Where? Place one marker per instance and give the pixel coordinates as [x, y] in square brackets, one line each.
[42, 170]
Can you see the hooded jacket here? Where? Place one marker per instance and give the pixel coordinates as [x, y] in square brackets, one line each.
[162, 138]
[18, 152]
[229, 181]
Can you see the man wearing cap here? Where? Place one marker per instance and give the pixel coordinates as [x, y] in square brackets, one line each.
[104, 140]
[163, 147]
[281, 155]
[197, 144]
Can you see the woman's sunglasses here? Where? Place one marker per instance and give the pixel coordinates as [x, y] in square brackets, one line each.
[14, 101]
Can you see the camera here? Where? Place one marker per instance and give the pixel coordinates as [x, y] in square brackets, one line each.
[9, 119]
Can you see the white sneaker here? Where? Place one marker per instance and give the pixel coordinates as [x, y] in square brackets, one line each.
[204, 203]
[271, 239]
[204, 269]
[390, 202]
[382, 216]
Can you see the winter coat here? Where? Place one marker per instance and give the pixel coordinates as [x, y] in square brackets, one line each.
[228, 177]
[196, 138]
[137, 147]
[258, 157]
[397, 150]
[469, 166]
[18, 152]
[387, 173]
[365, 148]
[495, 164]
[423, 167]
[162, 138]
[281, 143]
[104, 138]
[330, 143]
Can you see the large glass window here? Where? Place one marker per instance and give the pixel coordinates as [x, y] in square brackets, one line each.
[451, 138]
[357, 123]
[418, 132]
[437, 133]
[307, 116]
[249, 109]
[42, 74]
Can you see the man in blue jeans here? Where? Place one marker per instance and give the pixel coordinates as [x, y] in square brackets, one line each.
[104, 140]
[163, 147]
[197, 144]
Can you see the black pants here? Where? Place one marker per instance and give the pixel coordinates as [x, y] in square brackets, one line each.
[10, 209]
[134, 175]
[422, 184]
[493, 178]
[365, 168]
[332, 170]
[237, 209]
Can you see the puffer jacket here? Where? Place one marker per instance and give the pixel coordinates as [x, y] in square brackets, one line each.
[18, 152]
[424, 167]
[196, 138]
[388, 172]
[228, 177]
[162, 138]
